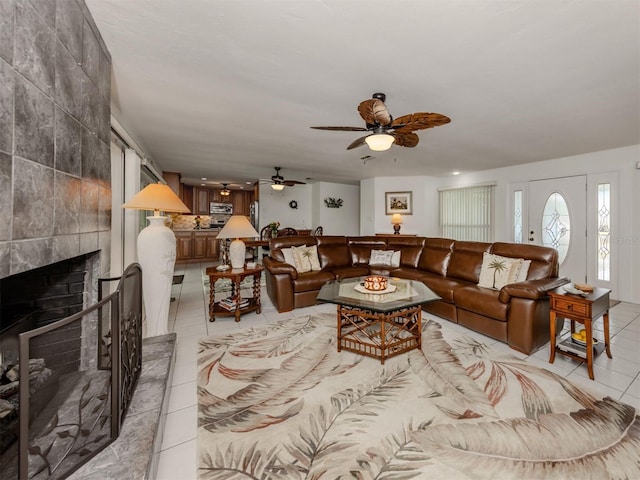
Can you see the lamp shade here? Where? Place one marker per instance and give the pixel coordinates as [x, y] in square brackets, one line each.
[238, 226]
[159, 197]
[396, 219]
[379, 142]
[277, 186]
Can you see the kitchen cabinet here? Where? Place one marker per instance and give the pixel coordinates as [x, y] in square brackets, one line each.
[183, 246]
[239, 202]
[173, 180]
[187, 195]
[201, 197]
[201, 201]
[197, 246]
[213, 247]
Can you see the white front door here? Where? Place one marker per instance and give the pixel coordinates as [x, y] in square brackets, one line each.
[558, 218]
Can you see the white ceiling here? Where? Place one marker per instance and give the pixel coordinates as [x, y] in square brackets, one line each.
[228, 89]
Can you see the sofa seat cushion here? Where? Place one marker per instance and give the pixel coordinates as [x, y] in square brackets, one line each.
[442, 286]
[483, 301]
[404, 272]
[311, 281]
[348, 272]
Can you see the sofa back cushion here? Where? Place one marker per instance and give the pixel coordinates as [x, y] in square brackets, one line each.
[410, 249]
[544, 260]
[436, 255]
[277, 244]
[466, 260]
[360, 248]
[333, 251]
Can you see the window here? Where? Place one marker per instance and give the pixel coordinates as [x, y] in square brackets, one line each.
[604, 232]
[467, 213]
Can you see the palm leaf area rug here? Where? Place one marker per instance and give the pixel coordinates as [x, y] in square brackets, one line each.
[279, 402]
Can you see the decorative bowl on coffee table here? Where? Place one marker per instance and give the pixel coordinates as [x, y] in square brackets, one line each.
[375, 283]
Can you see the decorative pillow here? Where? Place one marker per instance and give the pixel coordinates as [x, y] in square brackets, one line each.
[498, 271]
[288, 256]
[381, 257]
[524, 270]
[395, 259]
[306, 258]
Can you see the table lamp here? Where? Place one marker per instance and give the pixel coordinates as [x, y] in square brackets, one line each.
[157, 253]
[396, 220]
[237, 227]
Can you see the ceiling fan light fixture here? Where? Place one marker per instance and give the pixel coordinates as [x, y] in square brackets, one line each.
[277, 187]
[379, 142]
[225, 191]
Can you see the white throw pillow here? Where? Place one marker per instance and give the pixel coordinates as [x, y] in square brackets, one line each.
[381, 257]
[395, 259]
[306, 258]
[288, 256]
[497, 271]
[524, 270]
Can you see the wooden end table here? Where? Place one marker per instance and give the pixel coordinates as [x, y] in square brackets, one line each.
[582, 309]
[236, 276]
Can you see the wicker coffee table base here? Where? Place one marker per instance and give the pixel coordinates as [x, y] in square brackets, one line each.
[379, 335]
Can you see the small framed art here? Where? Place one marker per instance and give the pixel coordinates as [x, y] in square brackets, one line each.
[398, 202]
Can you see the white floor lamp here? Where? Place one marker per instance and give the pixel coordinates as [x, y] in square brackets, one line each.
[237, 227]
[157, 253]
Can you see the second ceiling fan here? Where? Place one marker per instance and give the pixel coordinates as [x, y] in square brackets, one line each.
[385, 130]
[278, 182]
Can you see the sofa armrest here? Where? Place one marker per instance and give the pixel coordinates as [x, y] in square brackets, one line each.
[532, 289]
[276, 268]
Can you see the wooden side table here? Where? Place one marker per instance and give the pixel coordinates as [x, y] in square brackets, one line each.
[581, 309]
[236, 276]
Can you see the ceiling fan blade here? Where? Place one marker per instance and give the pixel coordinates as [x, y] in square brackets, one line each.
[357, 143]
[419, 121]
[291, 183]
[344, 129]
[374, 112]
[406, 139]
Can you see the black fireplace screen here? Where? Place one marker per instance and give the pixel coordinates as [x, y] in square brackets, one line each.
[73, 396]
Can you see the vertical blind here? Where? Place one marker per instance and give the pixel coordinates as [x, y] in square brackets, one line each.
[466, 213]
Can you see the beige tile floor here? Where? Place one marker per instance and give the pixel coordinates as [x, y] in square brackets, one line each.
[618, 377]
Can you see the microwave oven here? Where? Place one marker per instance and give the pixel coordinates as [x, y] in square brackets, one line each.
[220, 208]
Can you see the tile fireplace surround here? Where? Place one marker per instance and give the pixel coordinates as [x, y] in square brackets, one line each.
[55, 91]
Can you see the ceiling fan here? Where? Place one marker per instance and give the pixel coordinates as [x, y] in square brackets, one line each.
[386, 131]
[278, 182]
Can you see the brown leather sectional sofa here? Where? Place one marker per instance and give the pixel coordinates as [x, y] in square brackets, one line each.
[517, 314]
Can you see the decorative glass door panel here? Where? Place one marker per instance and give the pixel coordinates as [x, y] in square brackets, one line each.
[556, 225]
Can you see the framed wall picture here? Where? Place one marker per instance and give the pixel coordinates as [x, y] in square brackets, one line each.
[398, 202]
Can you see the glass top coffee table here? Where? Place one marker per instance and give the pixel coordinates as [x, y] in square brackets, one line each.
[378, 325]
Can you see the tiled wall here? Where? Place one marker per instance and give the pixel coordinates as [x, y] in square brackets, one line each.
[55, 180]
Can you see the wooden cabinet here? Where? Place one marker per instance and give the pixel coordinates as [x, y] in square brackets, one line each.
[201, 201]
[198, 200]
[238, 200]
[183, 246]
[213, 247]
[173, 180]
[187, 195]
[197, 246]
